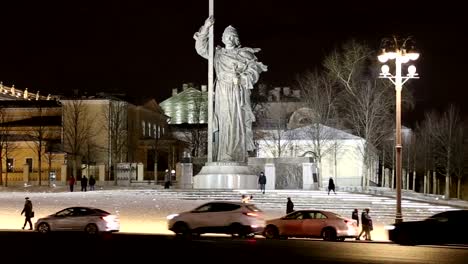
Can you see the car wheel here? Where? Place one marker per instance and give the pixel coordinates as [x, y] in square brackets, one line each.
[91, 229]
[405, 239]
[329, 234]
[271, 232]
[235, 229]
[181, 229]
[43, 228]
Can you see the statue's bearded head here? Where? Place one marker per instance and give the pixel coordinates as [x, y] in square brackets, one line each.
[230, 37]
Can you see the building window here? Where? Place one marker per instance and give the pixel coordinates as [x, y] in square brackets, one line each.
[163, 131]
[159, 132]
[143, 127]
[154, 130]
[9, 165]
[29, 161]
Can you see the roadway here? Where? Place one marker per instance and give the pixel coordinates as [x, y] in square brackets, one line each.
[28, 246]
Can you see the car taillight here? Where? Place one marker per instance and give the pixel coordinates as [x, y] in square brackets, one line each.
[251, 214]
[108, 218]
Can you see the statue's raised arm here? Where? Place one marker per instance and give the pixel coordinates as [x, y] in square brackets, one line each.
[201, 37]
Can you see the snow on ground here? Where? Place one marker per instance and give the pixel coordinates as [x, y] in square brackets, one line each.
[140, 210]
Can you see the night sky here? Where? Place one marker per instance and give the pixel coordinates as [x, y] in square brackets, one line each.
[147, 48]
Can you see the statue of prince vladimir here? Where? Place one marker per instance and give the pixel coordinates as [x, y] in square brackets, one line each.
[237, 70]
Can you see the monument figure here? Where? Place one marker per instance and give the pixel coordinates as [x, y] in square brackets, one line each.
[237, 70]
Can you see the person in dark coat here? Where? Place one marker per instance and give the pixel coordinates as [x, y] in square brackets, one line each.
[84, 183]
[289, 206]
[331, 186]
[355, 216]
[28, 213]
[262, 181]
[71, 183]
[92, 182]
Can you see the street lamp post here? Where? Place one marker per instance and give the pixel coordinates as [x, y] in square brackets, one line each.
[402, 53]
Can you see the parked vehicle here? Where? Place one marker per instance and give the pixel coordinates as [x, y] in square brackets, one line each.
[449, 227]
[224, 217]
[312, 224]
[85, 219]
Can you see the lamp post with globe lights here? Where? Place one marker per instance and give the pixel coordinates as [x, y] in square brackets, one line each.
[402, 52]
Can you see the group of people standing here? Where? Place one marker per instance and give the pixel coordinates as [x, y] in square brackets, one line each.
[84, 183]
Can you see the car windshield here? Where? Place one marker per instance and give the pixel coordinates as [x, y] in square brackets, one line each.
[337, 215]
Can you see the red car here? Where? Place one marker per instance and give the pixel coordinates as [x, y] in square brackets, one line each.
[312, 224]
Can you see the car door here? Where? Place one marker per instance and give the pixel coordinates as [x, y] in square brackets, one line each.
[63, 220]
[81, 217]
[204, 217]
[314, 223]
[291, 224]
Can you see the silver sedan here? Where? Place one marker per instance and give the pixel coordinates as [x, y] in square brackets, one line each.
[85, 219]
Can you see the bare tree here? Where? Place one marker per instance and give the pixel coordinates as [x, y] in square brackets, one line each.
[77, 130]
[196, 133]
[272, 132]
[365, 101]
[3, 142]
[40, 136]
[424, 150]
[320, 94]
[6, 144]
[116, 126]
[459, 159]
[445, 132]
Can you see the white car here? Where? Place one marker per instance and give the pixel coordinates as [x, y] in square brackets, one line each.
[85, 219]
[223, 217]
[313, 224]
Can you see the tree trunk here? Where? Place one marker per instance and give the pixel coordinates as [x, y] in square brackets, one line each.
[459, 188]
[414, 180]
[447, 180]
[434, 182]
[425, 182]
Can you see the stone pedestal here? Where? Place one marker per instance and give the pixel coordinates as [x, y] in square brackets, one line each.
[225, 175]
[308, 182]
[140, 172]
[184, 176]
[270, 173]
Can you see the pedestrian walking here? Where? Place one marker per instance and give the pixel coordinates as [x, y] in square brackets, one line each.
[92, 182]
[289, 206]
[262, 181]
[355, 216]
[367, 225]
[28, 213]
[331, 186]
[71, 183]
[167, 180]
[84, 183]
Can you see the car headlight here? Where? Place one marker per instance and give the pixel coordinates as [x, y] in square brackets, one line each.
[389, 227]
[169, 217]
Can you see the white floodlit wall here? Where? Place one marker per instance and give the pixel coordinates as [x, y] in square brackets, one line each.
[349, 160]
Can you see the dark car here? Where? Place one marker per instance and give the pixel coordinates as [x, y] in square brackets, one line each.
[449, 227]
